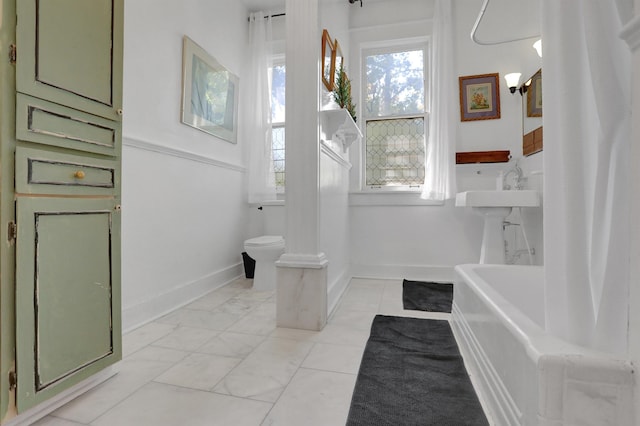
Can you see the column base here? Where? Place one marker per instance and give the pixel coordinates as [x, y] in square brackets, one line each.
[301, 292]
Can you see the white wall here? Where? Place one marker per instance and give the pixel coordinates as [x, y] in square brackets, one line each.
[334, 223]
[334, 170]
[184, 210]
[501, 21]
[426, 241]
[184, 205]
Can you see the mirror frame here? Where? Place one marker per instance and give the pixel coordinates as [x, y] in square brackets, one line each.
[328, 60]
[532, 141]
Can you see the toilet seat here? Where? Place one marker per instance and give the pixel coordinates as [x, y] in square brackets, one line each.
[265, 241]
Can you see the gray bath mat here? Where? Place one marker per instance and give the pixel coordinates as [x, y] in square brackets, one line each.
[427, 296]
[412, 374]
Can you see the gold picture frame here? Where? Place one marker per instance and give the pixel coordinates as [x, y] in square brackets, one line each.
[479, 97]
[328, 60]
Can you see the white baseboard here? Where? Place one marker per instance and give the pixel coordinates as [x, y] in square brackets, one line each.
[409, 272]
[336, 289]
[47, 407]
[158, 305]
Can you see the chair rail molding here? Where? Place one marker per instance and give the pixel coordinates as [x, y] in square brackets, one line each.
[330, 152]
[179, 153]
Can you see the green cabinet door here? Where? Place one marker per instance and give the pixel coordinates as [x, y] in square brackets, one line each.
[68, 297]
[70, 53]
[68, 157]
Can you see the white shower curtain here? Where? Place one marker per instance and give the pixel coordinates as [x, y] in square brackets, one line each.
[257, 104]
[587, 128]
[440, 172]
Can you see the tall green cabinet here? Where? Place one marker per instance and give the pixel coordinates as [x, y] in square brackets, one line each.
[60, 162]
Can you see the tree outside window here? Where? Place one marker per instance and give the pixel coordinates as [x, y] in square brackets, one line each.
[394, 110]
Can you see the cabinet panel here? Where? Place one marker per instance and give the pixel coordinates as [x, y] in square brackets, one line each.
[70, 52]
[71, 285]
[82, 39]
[67, 293]
[43, 172]
[51, 124]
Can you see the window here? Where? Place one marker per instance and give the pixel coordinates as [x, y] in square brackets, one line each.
[278, 75]
[395, 117]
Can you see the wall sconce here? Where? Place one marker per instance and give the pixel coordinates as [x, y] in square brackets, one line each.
[512, 81]
[538, 46]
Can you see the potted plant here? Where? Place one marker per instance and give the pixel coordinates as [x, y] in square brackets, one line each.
[342, 92]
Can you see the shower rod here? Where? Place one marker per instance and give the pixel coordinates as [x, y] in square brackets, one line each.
[275, 15]
[475, 39]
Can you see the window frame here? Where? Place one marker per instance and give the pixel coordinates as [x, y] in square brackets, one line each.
[386, 47]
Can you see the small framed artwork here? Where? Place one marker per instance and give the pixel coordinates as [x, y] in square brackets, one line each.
[534, 96]
[209, 93]
[337, 61]
[479, 97]
[328, 64]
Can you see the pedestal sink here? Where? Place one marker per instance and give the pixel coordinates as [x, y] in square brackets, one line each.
[495, 206]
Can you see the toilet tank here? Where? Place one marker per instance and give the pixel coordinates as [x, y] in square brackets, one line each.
[273, 220]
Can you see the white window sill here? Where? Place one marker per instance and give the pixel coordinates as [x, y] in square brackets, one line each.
[367, 198]
[278, 201]
[390, 198]
[273, 203]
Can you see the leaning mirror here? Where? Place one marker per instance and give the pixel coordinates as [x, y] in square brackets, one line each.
[531, 92]
[328, 64]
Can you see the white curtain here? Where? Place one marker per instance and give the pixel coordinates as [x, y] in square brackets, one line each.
[257, 101]
[587, 129]
[440, 172]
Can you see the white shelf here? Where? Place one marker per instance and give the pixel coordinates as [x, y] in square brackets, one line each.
[338, 126]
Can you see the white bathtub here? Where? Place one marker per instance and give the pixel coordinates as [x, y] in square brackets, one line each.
[523, 375]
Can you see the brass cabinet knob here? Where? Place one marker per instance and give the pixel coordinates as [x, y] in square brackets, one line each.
[79, 174]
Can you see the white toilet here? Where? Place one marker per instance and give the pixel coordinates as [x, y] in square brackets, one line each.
[265, 251]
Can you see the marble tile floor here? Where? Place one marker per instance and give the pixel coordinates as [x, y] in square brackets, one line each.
[222, 361]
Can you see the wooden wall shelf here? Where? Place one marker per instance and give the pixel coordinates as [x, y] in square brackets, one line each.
[482, 157]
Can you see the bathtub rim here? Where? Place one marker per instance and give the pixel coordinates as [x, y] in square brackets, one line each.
[569, 379]
[535, 339]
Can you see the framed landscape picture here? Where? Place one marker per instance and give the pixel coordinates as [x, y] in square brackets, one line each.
[479, 97]
[209, 93]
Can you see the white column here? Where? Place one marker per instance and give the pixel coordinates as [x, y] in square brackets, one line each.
[631, 34]
[301, 300]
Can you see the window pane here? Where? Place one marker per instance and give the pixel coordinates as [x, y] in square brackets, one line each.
[278, 79]
[395, 84]
[277, 150]
[277, 94]
[395, 152]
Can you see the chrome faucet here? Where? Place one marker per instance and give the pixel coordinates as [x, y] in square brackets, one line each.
[519, 179]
